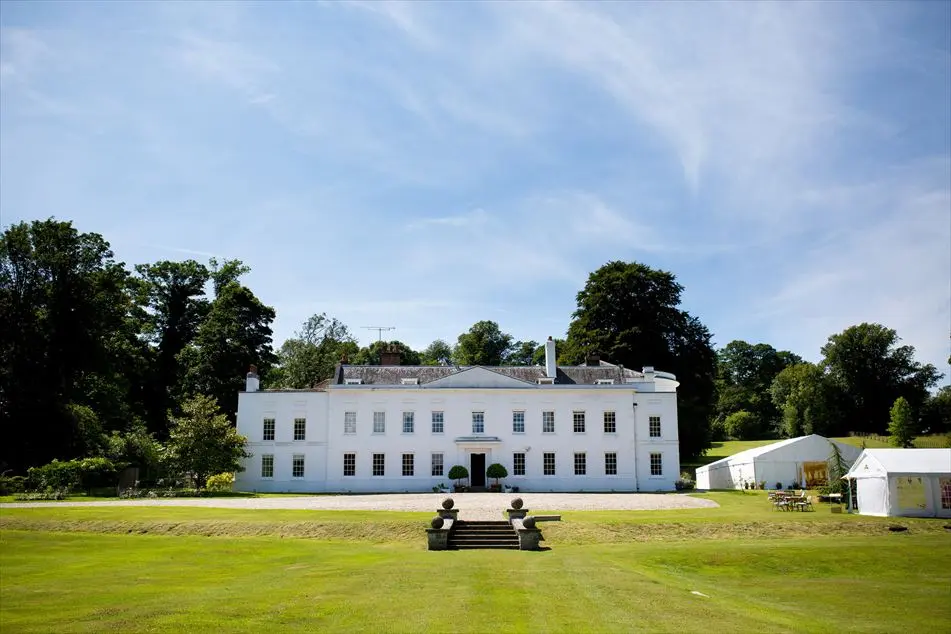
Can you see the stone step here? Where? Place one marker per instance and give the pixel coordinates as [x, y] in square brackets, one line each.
[483, 547]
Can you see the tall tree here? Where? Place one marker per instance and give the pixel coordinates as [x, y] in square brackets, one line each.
[483, 344]
[629, 313]
[436, 353]
[745, 373]
[521, 353]
[806, 398]
[370, 355]
[235, 334]
[900, 427]
[66, 305]
[311, 355]
[871, 370]
[936, 417]
[174, 295]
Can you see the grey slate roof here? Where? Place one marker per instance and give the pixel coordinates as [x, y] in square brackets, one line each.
[567, 375]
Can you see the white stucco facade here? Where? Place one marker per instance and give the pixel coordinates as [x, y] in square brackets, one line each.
[372, 429]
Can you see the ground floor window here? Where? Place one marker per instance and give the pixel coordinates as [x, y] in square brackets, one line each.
[349, 464]
[267, 465]
[581, 464]
[408, 464]
[437, 464]
[379, 464]
[518, 464]
[297, 469]
[657, 464]
[548, 464]
[610, 463]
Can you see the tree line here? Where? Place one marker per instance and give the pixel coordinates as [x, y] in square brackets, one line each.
[95, 355]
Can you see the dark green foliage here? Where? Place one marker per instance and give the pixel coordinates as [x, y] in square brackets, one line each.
[483, 344]
[522, 353]
[12, 484]
[371, 355]
[496, 471]
[436, 353]
[202, 442]
[86, 473]
[458, 473]
[745, 373]
[936, 413]
[742, 425]
[900, 427]
[629, 313]
[312, 354]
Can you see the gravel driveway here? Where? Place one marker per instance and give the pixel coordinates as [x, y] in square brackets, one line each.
[472, 506]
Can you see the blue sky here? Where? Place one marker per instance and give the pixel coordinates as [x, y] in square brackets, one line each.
[428, 165]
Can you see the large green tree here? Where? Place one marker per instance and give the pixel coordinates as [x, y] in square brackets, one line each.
[235, 335]
[483, 344]
[900, 426]
[174, 296]
[521, 353]
[936, 415]
[745, 373]
[311, 354]
[870, 369]
[436, 353]
[202, 442]
[630, 314]
[69, 338]
[370, 355]
[807, 400]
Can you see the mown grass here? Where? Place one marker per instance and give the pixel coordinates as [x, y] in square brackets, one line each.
[77, 582]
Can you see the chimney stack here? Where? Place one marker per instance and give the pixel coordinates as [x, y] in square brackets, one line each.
[551, 361]
[390, 356]
[253, 382]
[649, 372]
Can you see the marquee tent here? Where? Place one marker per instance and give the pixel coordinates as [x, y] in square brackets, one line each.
[908, 482]
[802, 460]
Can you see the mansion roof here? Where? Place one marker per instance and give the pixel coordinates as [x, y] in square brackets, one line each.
[566, 375]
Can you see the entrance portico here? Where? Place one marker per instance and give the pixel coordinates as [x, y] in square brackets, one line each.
[476, 452]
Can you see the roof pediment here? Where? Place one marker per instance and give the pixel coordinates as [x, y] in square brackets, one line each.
[477, 376]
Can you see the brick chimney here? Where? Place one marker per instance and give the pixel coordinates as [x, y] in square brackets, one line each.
[390, 356]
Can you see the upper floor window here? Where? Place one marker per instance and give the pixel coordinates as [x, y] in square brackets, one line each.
[437, 422]
[654, 426]
[268, 429]
[578, 418]
[379, 422]
[349, 422]
[409, 423]
[300, 428]
[610, 423]
[518, 422]
[548, 422]
[478, 422]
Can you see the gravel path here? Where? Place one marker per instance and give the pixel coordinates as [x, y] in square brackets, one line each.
[472, 506]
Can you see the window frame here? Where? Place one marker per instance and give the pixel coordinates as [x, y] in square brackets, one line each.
[518, 421]
[441, 422]
[409, 422]
[548, 420]
[264, 429]
[379, 422]
[408, 465]
[478, 418]
[609, 458]
[300, 425]
[578, 422]
[651, 422]
[267, 458]
[659, 473]
[515, 463]
[612, 422]
[432, 464]
[581, 460]
[381, 463]
[349, 423]
[549, 456]
[349, 464]
[295, 459]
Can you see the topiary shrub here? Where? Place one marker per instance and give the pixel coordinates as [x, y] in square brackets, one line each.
[528, 522]
[517, 503]
[448, 503]
[437, 522]
[458, 473]
[496, 471]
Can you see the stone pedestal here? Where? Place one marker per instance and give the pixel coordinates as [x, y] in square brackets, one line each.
[516, 514]
[528, 538]
[448, 514]
[438, 538]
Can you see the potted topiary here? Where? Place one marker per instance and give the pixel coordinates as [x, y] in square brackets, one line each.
[496, 472]
[458, 473]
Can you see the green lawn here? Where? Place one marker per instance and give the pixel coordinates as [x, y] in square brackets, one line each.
[153, 569]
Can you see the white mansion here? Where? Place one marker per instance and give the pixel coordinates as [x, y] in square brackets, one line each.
[594, 427]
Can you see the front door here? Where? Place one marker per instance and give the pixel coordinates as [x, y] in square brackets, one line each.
[477, 469]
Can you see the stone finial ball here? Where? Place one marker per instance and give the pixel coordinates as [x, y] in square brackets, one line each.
[517, 503]
[448, 503]
[437, 522]
[528, 522]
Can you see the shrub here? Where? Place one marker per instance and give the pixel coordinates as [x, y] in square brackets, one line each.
[87, 473]
[685, 482]
[220, 482]
[496, 472]
[458, 473]
[742, 425]
[779, 486]
[48, 494]
[10, 485]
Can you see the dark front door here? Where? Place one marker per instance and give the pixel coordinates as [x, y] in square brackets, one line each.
[477, 470]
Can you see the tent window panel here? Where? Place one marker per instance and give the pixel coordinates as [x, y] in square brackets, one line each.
[945, 493]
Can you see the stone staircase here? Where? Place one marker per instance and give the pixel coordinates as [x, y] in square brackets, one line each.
[471, 535]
